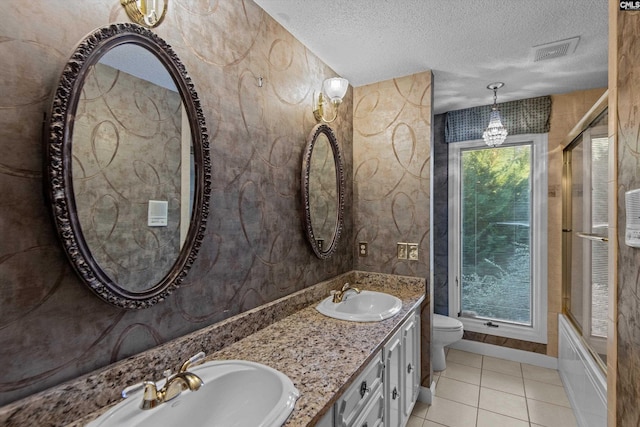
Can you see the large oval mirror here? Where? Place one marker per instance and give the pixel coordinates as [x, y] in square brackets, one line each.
[128, 167]
[323, 191]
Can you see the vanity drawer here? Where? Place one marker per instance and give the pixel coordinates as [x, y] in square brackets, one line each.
[368, 384]
[373, 413]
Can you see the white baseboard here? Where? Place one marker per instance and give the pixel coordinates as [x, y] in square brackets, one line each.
[425, 395]
[521, 356]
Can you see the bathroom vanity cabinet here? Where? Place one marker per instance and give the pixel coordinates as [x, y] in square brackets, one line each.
[387, 389]
[402, 372]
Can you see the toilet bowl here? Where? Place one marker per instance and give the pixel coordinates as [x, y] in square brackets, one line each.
[446, 331]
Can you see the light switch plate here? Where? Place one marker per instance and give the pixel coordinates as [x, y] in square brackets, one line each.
[402, 250]
[412, 251]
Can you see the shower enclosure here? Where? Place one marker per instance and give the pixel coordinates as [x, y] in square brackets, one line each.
[585, 229]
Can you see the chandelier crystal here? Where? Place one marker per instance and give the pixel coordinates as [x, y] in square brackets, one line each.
[496, 133]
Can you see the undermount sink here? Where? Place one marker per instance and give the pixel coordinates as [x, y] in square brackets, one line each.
[235, 393]
[367, 306]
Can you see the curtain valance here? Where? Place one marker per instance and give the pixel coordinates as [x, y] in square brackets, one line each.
[519, 117]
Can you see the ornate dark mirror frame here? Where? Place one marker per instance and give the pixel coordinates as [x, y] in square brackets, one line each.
[323, 253]
[58, 159]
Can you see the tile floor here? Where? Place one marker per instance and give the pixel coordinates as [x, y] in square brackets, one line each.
[483, 391]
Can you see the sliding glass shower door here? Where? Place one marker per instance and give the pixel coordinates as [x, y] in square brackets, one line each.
[585, 231]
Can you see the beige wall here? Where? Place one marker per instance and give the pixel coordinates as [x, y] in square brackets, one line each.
[52, 328]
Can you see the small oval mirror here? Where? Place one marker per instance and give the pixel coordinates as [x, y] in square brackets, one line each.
[323, 191]
[128, 166]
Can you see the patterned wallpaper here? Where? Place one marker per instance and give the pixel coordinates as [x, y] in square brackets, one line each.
[627, 61]
[127, 151]
[391, 162]
[391, 155]
[52, 328]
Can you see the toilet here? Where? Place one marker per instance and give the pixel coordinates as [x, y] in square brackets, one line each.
[446, 331]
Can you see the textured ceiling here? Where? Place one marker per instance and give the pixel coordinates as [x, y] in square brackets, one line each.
[467, 44]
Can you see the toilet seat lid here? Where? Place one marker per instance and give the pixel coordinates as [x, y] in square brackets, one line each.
[445, 322]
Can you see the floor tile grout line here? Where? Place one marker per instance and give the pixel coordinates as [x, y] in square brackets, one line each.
[506, 416]
[526, 400]
[481, 386]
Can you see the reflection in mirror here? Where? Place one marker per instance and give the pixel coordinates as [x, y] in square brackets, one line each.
[129, 169]
[129, 152]
[323, 190]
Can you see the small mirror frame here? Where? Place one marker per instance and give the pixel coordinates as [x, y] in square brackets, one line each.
[340, 184]
[58, 159]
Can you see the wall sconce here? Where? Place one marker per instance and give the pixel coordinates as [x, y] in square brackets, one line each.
[148, 13]
[334, 88]
[496, 133]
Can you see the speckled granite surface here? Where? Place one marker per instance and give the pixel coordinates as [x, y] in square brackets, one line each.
[320, 355]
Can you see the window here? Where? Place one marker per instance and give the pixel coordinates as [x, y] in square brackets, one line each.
[497, 247]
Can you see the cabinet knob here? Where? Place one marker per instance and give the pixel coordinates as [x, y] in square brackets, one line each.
[364, 389]
[409, 368]
[394, 393]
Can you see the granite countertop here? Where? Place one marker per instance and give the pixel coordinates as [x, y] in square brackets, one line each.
[321, 355]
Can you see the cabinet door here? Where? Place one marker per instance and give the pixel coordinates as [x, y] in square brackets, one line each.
[392, 381]
[411, 364]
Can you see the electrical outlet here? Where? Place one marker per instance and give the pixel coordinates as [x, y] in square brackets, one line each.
[402, 250]
[363, 249]
[412, 251]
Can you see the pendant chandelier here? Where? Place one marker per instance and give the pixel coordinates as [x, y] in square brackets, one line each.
[496, 133]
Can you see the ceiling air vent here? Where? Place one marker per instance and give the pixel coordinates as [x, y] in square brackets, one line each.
[555, 49]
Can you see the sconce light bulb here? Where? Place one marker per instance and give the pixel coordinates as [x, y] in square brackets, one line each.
[335, 88]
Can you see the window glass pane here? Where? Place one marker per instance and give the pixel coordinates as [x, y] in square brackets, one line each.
[496, 233]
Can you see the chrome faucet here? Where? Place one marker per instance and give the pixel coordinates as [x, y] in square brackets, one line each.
[338, 296]
[173, 386]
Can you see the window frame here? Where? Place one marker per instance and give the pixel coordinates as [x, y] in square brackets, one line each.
[537, 332]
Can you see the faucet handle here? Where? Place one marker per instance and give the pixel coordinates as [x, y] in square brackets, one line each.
[193, 359]
[346, 286]
[136, 387]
